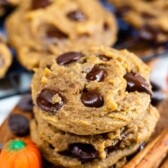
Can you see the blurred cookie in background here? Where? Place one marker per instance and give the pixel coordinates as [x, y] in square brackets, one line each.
[5, 57]
[149, 17]
[48, 26]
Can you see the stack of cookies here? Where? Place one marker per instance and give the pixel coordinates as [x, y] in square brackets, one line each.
[92, 107]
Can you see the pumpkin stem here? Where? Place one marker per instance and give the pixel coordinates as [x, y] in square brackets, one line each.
[16, 145]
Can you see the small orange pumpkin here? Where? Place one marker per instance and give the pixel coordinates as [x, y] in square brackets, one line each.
[20, 153]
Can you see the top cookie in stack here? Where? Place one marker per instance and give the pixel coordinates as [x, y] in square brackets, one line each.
[47, 26]
[150, 17]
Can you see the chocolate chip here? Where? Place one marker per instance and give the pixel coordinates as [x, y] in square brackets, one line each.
[135, 82]
[76, 16]
[51, 147]
[36, 4]
[104, 58]
[1, 146]
[149, 33]
[106, 26]
[97, 73]
[53, 32]
[18, 124]
[92, 99]
[69, 57]
[157, 97]
[45, 100]
[84, 152]
[26, 103]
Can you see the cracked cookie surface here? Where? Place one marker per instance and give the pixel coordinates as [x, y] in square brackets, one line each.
[94, 91]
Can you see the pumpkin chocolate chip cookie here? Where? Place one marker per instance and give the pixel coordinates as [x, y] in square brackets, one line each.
[5, 58]
[150, 17]
[48, 26]
[93, 91]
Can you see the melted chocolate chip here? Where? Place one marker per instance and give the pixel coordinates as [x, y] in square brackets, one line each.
[18, 124]
[54, 32]
[92, 99]
[45, 100]
[157, 98]
[106, 26]
[76, 16]
[104, 58]
[149, 33]
[36, 4]
[69, 57]
[135, 82]
[84, 152]
[97, 73]
[26, 103]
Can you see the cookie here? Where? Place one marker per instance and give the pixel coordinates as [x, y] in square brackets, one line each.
[93, 91]
[50, 26]
[49, 152]
[135, 133]
[5, 58]
[149, 17]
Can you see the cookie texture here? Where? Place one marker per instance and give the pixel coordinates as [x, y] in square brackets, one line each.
[49, 26]
[51, 154]
[5, 57]
[105, 145]
[92, 107]
[90, 92]
[150, 17]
